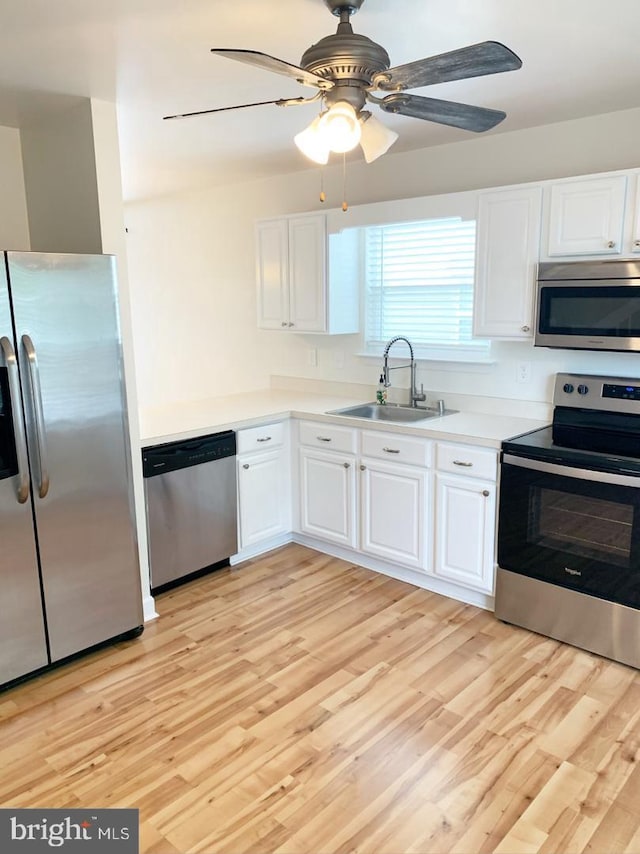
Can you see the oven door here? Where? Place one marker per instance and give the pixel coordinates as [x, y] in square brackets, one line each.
[572, 527]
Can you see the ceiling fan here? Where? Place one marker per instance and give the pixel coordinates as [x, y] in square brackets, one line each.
[350, 70]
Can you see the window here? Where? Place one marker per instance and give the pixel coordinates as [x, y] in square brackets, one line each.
[419, 283]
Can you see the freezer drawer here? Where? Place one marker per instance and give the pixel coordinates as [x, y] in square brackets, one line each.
[191, 499]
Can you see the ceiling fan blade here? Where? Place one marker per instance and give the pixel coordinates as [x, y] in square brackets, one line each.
[472, 61]
[280, 102]
[279, 66]
[451, 113]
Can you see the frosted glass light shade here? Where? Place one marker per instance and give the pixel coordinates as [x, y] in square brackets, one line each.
[376, 139]
[312, 143]
[340, 127]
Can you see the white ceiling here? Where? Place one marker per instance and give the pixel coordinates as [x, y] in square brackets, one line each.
[580, 57]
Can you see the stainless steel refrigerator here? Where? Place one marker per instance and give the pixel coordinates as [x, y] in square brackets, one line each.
[69, 573]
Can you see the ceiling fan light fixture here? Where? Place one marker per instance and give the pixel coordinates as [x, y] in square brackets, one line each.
[340, 127]
[375, 139]
[312, 142]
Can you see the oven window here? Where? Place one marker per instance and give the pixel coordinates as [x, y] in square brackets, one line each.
[587, 527]
[576, 532]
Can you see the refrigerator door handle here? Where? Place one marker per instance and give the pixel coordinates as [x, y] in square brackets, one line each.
[16, 415]
[36, 393]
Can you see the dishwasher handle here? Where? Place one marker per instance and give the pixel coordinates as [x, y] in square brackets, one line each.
[171, 456]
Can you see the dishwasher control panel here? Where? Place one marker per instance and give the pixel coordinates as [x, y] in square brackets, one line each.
[160, 459]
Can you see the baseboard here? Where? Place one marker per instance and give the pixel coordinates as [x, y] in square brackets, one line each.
[411, 576]
[261, 548]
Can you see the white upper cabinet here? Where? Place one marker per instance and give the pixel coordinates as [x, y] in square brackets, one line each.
[297, 289]
[586, 217]
[272, 273]
[508, 239]
[635, 236]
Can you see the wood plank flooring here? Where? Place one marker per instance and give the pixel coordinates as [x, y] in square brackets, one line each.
[301, 705]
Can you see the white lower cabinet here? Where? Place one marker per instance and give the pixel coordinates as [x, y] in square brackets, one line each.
[465, 531]
[465, 515]
[264, 484]
[377, 494]
[328, 496]
[394, 512]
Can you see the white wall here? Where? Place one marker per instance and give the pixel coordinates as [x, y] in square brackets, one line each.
[60, 179]
[14, 225]
[192, 267]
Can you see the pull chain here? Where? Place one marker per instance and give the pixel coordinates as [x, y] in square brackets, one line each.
[322, 193]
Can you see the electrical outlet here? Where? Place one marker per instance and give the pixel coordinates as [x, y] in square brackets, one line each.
[313, 357]
[523, 372]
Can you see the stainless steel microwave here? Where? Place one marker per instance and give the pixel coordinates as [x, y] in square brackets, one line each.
[589, 305]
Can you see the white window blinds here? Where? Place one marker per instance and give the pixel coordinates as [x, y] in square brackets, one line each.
[419, 283]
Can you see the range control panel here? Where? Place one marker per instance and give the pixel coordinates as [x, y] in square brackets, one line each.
[591, 391]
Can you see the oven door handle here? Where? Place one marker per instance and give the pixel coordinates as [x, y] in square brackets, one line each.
[570, 471]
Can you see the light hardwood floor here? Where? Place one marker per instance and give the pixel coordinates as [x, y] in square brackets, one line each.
[301, 705]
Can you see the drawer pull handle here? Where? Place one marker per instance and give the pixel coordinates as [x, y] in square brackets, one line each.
[323, 439]
[463, 463]
[264, 439]
[391, 450]
[486, 493]
[245, 465]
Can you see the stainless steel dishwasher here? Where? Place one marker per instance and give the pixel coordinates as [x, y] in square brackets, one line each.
[191, 498]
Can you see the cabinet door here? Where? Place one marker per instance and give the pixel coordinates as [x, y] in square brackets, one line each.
[307, 272]
[395, 522]
[264, 496]
[635, 236]
[586, 217]
[272, 265]
[328, 496]
[507, 245]
[465, 531]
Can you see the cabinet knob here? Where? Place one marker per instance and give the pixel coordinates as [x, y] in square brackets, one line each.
[347, 465]
[245, 465]
[636, 242]
[611, 244]
[525, 328]
[291, 324]
[363, 468]
[283, 323]
[486, 493]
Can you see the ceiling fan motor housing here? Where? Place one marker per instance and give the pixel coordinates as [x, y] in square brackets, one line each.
[350, 61]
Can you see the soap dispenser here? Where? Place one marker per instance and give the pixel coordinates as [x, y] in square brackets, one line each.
[381, 394]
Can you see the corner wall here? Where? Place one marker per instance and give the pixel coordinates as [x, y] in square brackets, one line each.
[14, 225]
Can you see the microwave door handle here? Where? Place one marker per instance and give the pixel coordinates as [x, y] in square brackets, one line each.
[19, 435]
[38, 412]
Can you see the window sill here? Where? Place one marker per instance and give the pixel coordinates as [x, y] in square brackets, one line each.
[443, 359]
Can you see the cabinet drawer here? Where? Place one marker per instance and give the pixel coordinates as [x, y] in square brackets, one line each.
[472, 462]
[260, 438]
[397, 448]
[328, 436]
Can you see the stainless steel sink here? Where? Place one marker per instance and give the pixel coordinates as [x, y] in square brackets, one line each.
[390, 412]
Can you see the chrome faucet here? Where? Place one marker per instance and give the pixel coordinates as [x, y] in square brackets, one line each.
[414, 394]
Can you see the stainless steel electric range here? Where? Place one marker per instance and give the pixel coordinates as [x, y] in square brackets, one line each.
[569, 520]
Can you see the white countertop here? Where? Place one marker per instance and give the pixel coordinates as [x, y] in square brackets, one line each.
[252, 408]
